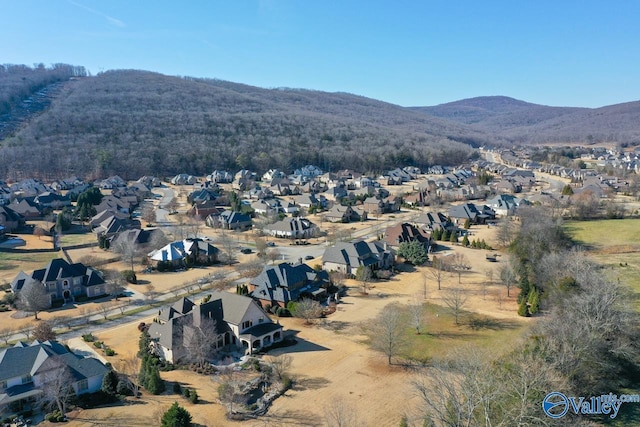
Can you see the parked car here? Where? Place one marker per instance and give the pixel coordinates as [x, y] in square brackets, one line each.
[308, 257]
[271, 244]
[245, 250]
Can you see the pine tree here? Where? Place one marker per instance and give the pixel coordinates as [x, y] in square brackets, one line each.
[523, 310]
[453, 238]
[110, 383]
[176, 416]
[465, 241]
[534, 301]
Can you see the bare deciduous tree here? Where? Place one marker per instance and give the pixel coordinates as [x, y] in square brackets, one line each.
[6, 334]
[127, 249]
[387, 332]
[458, 263]
[416, 313]
[364, 276]
[273, 255]
[33, 297]
[437, 271]
[280, 366]
[455, 299]
[200, 340]
[508, 276]
[57, 384]
[338, 413]
[149, 214]
[308, 310]
[43, 332]
[114, 283]
[228, 246]
[105, 308]
[129, 367]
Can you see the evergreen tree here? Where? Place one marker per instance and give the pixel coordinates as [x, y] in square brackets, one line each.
[176, 416]
[465, 241]
[523, 310]
[110, 383]
[467, 224]
[453, 238]
[534, 301]
[414, 252]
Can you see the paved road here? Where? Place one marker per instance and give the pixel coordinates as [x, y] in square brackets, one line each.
[161, 212]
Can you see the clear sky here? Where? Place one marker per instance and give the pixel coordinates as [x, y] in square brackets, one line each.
[424, 52]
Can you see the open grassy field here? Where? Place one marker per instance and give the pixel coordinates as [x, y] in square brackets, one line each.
[441, 335]
[614, 244]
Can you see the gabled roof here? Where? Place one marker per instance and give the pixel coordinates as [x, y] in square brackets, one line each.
[23, 359]
[285, 282]
[354, 254]
[59, 268]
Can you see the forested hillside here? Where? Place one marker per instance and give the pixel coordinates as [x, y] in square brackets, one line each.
[514, 121]
[26, 91]
[133, 123]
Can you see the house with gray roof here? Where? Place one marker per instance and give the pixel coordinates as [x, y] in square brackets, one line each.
[230, 220]
[239, 322]
[346, 257]
[292, 228]
[279, 284]
[62, 281]
[194, 251]
[26, 368]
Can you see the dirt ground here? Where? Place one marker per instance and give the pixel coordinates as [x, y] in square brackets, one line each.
[331, 362]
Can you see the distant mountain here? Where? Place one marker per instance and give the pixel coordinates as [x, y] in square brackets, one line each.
[514, 121]
[136, 122]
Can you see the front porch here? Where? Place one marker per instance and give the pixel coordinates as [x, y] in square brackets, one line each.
[260, 336]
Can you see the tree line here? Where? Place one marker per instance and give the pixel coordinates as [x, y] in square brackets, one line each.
[134, 123]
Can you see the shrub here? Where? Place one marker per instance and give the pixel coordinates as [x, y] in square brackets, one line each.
[88, 337]
[130, 276]
[97, 344]
[186, 392]
[109, 351]
[193, 397]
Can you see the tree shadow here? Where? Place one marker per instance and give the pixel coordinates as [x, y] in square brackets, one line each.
[301, 384]
[143, 282]
[290, 417]
[480, 322]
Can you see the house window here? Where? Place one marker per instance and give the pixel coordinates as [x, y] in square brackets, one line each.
[83, 385]
[247, 324]
[26, 379]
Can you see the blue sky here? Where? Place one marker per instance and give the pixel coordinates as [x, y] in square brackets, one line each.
[575, 53]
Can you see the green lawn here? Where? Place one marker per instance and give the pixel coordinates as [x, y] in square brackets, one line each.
[605, 233]
[441, 335]
[614, 244]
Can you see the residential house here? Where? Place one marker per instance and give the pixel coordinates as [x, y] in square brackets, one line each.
[230, 220]
[339, 213]
[469, 211]
[292, 228]
[10, 219]
[50, 200]
[113, 225]
[150, 181]
[505, 204]
[141, 238]
[26, 208]
[26, 368]
[279, 284]
[347, 257]
[266, 207]
[112, 182]
[405, 233]
[220, 177]
[184, 179]
[306, 201]
[204, 208]
[62, 281]
[181, 252]
[431, 221]
[240, 323]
